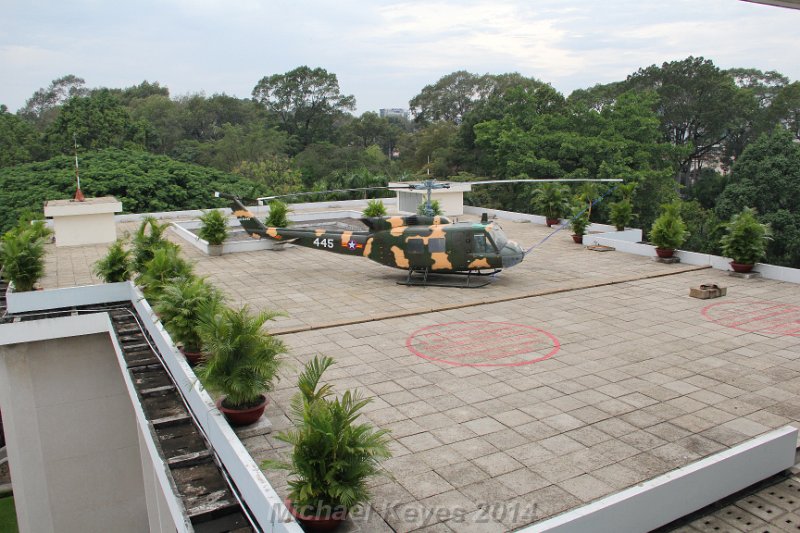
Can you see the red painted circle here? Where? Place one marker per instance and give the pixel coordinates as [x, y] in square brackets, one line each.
[756, 317]
[483, 343]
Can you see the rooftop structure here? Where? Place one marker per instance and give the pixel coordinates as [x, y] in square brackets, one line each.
[573, 376]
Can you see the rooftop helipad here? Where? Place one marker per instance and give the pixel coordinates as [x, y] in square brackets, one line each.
[573, 375]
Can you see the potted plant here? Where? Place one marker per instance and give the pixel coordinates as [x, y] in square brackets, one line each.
[669, 230]
[579, 222]
[332, 455]
[116, 265]
[214, 230]
[278, 215]
[745, 241]
[22, 253]
[622, 210]
[551, 201]
[241, 361]
[375, 208]
[621, 213]
[435, 210]
[181, 306]
[165, 267]
[148, 237]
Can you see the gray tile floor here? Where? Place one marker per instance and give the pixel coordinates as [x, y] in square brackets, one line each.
[632, 376]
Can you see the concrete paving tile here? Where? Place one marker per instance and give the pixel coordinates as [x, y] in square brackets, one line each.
[425, 484]
[439, 456]
[556, 469]
[420, 442]
[484, 426]
[472, 448]
[563, 422]
[647, 464]
[449, 505]
[453, 433]
[487, 492]
[476, 522]
[497, 463]
[618, 476]
[589, 414]
[463, 414]
[586, 488]
[513, 418]
[561, 444]
[642, 440]
[522, 481]
[745, 426]
[669, 432]
[530, 454]
[539, 504]
[536, 430]
[588, 435]
[462, 474]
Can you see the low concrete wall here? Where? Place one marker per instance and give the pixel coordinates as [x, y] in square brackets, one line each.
[628, 242]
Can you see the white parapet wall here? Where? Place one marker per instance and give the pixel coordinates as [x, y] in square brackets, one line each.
[629, 241]
[680, 492]
[80, 223]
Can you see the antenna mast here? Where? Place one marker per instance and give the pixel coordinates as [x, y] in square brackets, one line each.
[78, 193]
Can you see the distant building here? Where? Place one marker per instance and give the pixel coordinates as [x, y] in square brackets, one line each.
[394, 112]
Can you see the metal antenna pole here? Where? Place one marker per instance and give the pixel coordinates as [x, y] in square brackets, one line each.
[78, 193]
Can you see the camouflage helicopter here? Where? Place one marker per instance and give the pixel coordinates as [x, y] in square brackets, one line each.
[422, 245]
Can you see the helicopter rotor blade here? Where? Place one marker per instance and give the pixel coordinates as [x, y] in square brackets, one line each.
[263, 199]
[545, 180]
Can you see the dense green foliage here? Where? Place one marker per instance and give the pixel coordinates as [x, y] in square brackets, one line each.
[746, 239]
[242, 360]
[166, 267]
[433, 210]
[333, 456]
[684, 129]
[278, 216]
[143, 182]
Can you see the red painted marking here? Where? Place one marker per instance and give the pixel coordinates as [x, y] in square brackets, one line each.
[483, 343]
[756, 317]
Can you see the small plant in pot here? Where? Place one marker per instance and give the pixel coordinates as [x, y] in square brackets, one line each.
[551, 201]
[214, 230]
[22, 253]
[116, 265]
[375, 208]
[579, 222]
[148, 237]
[669, 230]
[164, 268]
[278, 216]
[332, 455]
[241, 361]
[621, 213]
[745, 241]
[181, 306]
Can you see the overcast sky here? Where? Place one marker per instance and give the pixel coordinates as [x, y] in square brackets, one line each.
[383, 52]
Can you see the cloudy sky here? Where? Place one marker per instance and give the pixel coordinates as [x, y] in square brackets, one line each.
[383, 51]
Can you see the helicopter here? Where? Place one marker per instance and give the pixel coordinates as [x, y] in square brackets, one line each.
[422, 245]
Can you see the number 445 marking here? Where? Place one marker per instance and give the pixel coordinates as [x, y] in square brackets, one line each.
[323, 243]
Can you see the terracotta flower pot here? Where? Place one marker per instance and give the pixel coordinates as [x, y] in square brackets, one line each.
[578, 239]
[194, 358]
[242, 417]
[325, 521]
[665, 253]
[552, 221]
[741, 268]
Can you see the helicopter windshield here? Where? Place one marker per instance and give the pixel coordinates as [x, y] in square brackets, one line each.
[498, 237]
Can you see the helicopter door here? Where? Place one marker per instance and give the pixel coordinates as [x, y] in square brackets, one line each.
[415, 250]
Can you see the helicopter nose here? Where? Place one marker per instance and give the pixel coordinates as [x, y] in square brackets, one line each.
[511, 254]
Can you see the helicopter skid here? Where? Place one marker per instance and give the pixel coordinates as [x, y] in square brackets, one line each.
[423, 278]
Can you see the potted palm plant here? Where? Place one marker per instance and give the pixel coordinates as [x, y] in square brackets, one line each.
[551, 201]
[745, 241]
[165, 267]
[375, 208]
[214, 230]
[579, 222]
[278, 216]
[148, 237]
[116, 265]
[332, 455]
[241, 361]
[669, 230]
[621, 213]
[181, 306]
[22, 253]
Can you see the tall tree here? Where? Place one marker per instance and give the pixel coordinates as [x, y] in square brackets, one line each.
[95, 121]
[19, 142]
[450, 98]
[307, 102]
[697, 106]
[41, 108]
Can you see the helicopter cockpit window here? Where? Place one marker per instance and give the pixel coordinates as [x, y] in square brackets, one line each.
[479, 245]
[498, 237]
[436, 245]
[414, 246]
